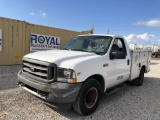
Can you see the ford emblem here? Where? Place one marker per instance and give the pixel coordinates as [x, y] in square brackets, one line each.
[32, 69]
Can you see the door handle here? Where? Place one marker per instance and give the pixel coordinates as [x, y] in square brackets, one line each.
[128, 62]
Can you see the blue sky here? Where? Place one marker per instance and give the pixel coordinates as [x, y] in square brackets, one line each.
[137, 20]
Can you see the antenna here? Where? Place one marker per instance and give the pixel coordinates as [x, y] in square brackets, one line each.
[92, 29]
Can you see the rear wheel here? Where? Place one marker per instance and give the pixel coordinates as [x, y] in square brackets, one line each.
[88, 98]
[139, 81]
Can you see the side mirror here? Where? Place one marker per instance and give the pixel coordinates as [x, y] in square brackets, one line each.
[117, 55]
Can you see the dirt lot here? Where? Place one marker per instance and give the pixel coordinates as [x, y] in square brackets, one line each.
[130, 103]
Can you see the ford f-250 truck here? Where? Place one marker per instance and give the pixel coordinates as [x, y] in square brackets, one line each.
[87, 66]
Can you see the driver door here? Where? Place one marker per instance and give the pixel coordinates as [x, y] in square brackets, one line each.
[119, 68]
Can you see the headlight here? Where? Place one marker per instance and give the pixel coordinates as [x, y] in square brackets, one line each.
[66, 75]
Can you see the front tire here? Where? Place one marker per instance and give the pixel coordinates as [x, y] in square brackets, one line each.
[88, 98]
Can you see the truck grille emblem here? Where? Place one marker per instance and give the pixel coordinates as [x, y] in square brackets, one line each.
[32, 69]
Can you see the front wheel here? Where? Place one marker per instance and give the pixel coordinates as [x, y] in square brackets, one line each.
[88, 98]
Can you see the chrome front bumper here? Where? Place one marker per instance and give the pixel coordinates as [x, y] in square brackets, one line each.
[55, 94]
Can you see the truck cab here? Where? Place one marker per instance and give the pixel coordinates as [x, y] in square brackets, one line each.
[85, 67]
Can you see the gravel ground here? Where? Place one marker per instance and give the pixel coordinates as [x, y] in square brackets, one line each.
[129, 103]
[8, 77]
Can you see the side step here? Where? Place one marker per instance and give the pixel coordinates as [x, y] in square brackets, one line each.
[115, 88]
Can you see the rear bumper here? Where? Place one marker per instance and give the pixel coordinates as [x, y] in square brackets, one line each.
[56, 94]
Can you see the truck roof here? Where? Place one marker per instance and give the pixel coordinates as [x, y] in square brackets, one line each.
[101, 35]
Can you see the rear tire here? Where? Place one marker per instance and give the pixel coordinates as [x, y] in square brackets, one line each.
[88, 98]
[139, 81]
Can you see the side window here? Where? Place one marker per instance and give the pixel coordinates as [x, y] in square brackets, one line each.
[118, 47]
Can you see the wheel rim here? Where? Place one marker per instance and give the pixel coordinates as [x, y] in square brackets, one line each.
[91, 97]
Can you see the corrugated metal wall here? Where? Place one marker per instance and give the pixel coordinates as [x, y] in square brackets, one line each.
[16, 38]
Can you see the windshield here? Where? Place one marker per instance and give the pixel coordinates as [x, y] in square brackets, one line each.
[96, 44]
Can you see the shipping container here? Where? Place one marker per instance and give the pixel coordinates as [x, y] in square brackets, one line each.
[15, 38]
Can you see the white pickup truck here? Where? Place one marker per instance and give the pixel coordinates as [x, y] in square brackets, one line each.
[87, 66]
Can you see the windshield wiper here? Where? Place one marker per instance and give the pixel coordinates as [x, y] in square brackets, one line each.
[80, 50]
[65, 48]
[99, 53]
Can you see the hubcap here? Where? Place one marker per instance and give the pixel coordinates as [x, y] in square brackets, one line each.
[91, 97]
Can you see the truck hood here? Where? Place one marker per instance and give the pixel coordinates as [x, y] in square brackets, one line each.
[62, 58]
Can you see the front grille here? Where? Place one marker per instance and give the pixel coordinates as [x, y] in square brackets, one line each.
[39, 70]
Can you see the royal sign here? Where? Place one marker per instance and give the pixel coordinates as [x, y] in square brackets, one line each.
[40, 42]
